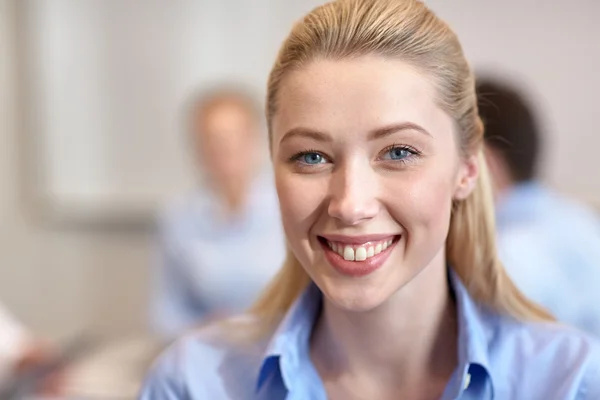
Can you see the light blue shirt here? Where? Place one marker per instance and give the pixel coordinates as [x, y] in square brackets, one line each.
[551, 248]
[499, 358]
[210, 262]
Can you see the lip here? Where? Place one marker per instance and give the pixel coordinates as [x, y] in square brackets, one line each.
[357, 268]
[361, 239]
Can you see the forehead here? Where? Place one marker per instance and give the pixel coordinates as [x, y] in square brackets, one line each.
[356, 95]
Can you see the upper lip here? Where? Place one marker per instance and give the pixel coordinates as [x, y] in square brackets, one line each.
[359, 239]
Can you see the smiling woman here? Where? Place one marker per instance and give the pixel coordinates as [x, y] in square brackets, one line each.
[391, 287]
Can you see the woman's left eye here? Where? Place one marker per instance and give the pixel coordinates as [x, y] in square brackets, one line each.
[397, 153]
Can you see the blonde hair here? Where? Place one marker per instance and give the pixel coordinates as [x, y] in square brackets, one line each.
[409, 31]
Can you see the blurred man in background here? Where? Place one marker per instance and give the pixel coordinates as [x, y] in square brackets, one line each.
[550, 245]
[224, 242]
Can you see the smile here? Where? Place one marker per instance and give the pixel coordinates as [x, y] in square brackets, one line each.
[358, 256]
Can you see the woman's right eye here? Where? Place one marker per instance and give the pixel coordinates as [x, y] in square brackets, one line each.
[311, 158]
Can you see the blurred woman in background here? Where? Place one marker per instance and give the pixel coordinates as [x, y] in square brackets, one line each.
[392, 287]
[224, 242]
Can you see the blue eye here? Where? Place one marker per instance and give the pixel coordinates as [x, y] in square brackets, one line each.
[398, 153]
[312, 158]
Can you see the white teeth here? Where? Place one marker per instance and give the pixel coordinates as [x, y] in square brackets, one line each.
[348, 253]
[361, 254]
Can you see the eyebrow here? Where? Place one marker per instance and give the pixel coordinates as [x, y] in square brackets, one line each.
[378, 133]
[307, 133]
[393, 128]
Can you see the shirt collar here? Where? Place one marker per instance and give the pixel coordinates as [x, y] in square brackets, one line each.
[291, 339]
[474, 333]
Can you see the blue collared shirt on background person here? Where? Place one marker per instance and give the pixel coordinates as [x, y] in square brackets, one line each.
[212, 263]
[550, 246]
[499, 358]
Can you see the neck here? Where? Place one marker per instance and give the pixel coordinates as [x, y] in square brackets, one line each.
[409, 339]
[235, 198]
[233, 193]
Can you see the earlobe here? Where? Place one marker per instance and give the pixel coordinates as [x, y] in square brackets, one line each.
[469, 173]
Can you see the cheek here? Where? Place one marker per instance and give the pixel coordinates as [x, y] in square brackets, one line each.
[300, 198]
[423, 203]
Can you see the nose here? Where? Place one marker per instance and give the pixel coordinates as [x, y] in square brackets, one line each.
[353, 194]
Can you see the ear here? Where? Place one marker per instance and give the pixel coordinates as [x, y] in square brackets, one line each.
[468, 172]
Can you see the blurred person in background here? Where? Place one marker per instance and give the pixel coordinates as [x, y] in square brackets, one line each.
[222, 243]
[550, 244]
[20, 354]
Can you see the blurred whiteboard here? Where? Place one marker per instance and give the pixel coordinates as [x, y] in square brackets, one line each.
[105, 81]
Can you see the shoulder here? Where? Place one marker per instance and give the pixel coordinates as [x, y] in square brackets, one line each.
[564, 232]
[556, 359]
[567, 212]
[208, 363]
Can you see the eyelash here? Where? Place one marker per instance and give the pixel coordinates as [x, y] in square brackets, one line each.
[296, 158]
[302, 153]
[414, 152]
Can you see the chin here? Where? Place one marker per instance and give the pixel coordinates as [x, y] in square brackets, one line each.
[355, 296]
[368, 292]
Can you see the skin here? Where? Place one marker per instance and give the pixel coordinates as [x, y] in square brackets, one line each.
[359, 152]
[227, 138]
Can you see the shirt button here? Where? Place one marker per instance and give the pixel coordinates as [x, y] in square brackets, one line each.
[467, 381]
